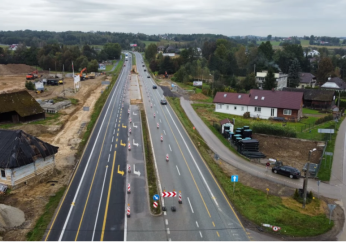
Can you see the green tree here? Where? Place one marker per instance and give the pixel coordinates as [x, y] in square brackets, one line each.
[267, 49]
[93, 66]
[249, 82]
[113, 50]
[269, 81]
[150, 52]
[293, 73]
[269, 37]
[29, 85]
[325, 70]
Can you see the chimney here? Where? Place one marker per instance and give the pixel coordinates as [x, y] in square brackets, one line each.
[329, 78]
[273, 90]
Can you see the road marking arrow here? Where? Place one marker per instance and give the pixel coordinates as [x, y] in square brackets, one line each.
[136, 172]
[134, 125]
[120, 172]
[134, 113]
[136, 144]
[121, 143]
[124, 126]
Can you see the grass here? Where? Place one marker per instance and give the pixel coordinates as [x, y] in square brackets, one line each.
[310, 111]
[151, 176]
[38, 231]
[165, 42]
[98, 108]
[133, 59]
[109, 67]
[273, 43]
[74, 101]
[252, 203]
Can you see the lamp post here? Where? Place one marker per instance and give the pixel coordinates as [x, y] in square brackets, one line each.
[306, 177]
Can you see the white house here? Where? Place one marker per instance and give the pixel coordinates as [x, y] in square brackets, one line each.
[261, 104]
[23, 158]
[312, 53]
[281, 79]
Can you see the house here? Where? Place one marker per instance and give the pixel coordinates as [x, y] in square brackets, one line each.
[54, 108]
[170, 49]
[24, 158]
[312, 53]
[280, 77]
[226, 125]
[19, 107]
[262, 104]
[160, 48]
[335, 83]
[316, 98]
[13, 47]
[306, 80]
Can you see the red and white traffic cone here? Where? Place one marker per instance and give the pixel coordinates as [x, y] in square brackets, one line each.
[167, 158]
[128, 169]
[128, 111]
[130, 130]
[130, 120]
[161, 138]
[128, 211]
[129, 146]
[151, 105]
[180, 201]
[128, 188]
[158, 126]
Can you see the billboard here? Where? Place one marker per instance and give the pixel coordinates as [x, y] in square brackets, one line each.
[133, 45]
[197, 83]
[102, 67]
[76, 79]
[39, 86]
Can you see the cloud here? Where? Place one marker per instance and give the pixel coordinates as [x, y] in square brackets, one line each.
[228, 17]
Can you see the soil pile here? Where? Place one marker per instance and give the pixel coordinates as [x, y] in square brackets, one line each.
[11, 216]
[14, 69]
[198, 96]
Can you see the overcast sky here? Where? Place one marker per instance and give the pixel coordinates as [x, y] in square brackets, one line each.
[228, 17]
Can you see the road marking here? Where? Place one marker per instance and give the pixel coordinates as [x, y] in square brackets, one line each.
[178, 170]
[110, 148]
[164, 132]
[197, 224]
[115, 124]
[82, 178]
[116, 121]
[117, 134]
[109, 193]
[98, 209]
[200, 233]
[190, 205]
[164, 213]
[217, 234]
[170, 147]
[109, 155]
[168, 232]
[213, 224]
[116, 140]
[118, 129]
[117, 115]
[166, 221]
[160, 121]
[112, 138]
[116, 145]
[114, 131]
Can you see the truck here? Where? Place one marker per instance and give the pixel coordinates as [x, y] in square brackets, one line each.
[126, 58]
[53, 82]
[92, 75]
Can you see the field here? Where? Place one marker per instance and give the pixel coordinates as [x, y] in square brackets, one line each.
[165, 42]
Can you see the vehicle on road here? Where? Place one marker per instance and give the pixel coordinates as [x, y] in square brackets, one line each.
[154, 87]
[145, 70]
[142, 65]
[289, 171]
[163, 102]
[148, 76]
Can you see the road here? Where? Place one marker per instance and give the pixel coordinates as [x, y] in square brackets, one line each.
[205, 213]
[93, 207]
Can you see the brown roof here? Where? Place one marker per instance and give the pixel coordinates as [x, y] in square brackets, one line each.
[21, 102]
[262, 98]
[306, 77]
[314, 94]
[224, 121]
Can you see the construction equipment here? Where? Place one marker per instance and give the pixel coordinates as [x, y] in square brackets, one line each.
[81, 74]
[61, 82]
[92, 75]
[33, 75]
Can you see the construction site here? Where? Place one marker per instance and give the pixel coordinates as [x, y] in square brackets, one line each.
[63, 128]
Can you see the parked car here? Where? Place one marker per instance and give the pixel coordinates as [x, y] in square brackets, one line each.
[148, 76]
[53, 82]
[163, 102]
[145, 70]
[154, 87]
[289, 171]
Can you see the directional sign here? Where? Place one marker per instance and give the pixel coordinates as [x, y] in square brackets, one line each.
[156, 197]
[326, 131]
[121, 143]
[169, 194]
[123, 126]
[234, 178]
[119, 171]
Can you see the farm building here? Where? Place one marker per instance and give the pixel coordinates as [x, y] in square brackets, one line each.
[315, 98]
[19, 107]
[54, 108]
[306, 80]
[23, 158]
[335, 83]
[261, 104]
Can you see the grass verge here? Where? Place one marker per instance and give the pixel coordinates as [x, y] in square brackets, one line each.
[251, 203]
[98, 108]
[150, 166]
[36, 234]
[133, 59]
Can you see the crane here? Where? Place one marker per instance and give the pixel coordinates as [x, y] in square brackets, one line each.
[32, 75]
[81, 73]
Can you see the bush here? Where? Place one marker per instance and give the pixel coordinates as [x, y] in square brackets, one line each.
[274, 130]
[246, 115]
[29, 85]
[324, 119]
[342, 103]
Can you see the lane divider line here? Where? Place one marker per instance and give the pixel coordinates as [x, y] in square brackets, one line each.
[178, 170]
[190, 205]
[197, 224]
[170, 147]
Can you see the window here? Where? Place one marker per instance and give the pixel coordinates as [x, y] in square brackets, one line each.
[262, 98]
[287, 112]
[227, 106]
[235, 107]
[256, 97]
[272, 112]
[224, 95]
[220, 106]
[239, 96]
[242, 108]
[3, 174]
[258, 109]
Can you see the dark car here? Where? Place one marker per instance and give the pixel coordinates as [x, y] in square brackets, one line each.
[163, 101]
[145, 70]
[154, 87]
[289, 171]
[148, 76]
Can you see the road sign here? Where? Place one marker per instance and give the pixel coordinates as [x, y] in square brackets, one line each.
[328, 153]
[169, 194]
[234, 178]
[156, 197]
[155, 204]
[326, 131]
[276, 228]
[331, 208]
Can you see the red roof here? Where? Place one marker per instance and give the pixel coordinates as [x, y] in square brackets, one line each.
[262, 98]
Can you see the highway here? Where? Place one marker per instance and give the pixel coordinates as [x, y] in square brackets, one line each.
[93, 207]
[205, 213]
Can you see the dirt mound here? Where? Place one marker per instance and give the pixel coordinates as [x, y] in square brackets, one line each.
[11, 216]
[13, 69]
[198, 96]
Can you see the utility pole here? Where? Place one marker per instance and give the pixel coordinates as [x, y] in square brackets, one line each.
[305, 185]
[63, 71]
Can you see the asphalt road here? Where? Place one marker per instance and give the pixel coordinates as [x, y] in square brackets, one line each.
[93, 207]
[205, 213]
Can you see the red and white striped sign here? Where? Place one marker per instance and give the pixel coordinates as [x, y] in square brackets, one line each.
[155, 204]
[128, 210]
[169, 194]
[128, 188]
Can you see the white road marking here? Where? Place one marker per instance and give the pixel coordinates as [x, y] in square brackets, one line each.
[190, 205]
[200, 233]
[170, 147]
[164, 132]
[168, 232]
[98, 209]
[86, 167]
[109, 155]
[116, 121]
[166, 221]
[112, 139]
[160, 121]
[117, 115]
[178, 170]
[164, 213]
[114, 131]
[197, 224]
[110, 148]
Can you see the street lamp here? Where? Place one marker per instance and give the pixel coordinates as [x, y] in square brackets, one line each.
[310, 151]
[305, 186]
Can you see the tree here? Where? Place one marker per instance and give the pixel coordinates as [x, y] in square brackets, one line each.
[269, 81]
[267, 49]
[269, 37]
[293, 73]
[29, 85]
[150, 52]
[249, 82]
[325, 70]
[93, 66]
[113, 50]
[241, 57]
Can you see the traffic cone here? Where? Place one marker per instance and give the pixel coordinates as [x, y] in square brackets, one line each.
[128, 169]
[167, 159]
[158, 125]
[161, 138]
[128, 211]
[130, 130]
[180, 201]
[128, 188]
[129, 146]
[130, 120]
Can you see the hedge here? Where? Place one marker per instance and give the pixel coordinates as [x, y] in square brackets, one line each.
[274, 130]
[324, 119]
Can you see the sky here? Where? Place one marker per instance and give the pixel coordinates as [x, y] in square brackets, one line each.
[227, 17]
